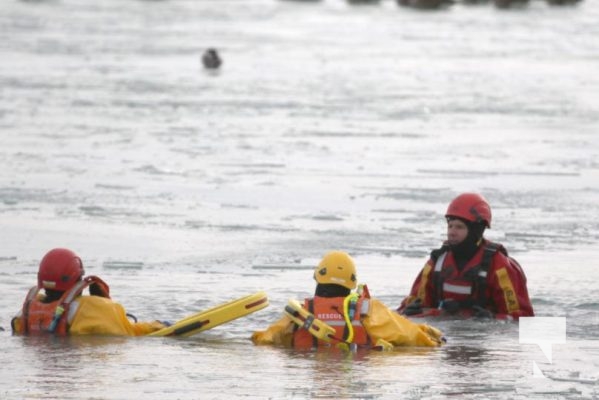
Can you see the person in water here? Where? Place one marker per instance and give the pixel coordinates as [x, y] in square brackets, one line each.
[373, 324]
[211, 59]
[62, 308]
[469, 275]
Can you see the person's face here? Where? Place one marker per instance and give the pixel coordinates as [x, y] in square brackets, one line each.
[456, 231]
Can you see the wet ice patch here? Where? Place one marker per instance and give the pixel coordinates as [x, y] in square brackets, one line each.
[122, 264]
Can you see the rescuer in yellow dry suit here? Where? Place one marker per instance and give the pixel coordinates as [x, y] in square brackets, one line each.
[63, 310]
[368, 323]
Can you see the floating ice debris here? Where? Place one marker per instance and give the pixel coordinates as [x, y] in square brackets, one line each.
[325, 217]
[425, 4]
[113, 186]
[122, 264]
[93, 210]
[283, 267]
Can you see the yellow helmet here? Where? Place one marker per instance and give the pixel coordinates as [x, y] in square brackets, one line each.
[338, 268]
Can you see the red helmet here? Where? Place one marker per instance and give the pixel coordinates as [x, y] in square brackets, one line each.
[471, 207]
[59, 270]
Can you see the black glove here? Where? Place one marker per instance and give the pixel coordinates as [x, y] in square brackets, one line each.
[482, 313]
[413, 308]
[95, 290]
[450, 306]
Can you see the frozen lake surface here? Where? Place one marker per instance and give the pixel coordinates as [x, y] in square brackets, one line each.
[329, 126]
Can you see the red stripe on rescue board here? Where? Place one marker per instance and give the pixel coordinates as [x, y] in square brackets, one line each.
[256, 303]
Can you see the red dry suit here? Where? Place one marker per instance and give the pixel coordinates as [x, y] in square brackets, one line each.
[490, 279]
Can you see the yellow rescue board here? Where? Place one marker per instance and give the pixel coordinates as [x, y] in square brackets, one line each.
[304, 318]
[215, 316]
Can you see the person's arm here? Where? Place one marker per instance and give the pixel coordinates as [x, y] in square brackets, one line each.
[507, 287]
[279, 333]
[422, 290]
[96, 315]
[383, 323]
[16, 324]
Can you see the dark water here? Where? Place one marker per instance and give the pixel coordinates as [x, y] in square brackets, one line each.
[330, 125]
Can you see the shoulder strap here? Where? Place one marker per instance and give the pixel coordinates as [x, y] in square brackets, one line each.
[435, 254]
[498, 247]
[364, 300]
[481, 279]
[100, 288]
[364, 305]
[310, 304]
[438, 257]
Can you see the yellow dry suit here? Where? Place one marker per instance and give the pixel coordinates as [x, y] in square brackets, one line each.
[380, 323]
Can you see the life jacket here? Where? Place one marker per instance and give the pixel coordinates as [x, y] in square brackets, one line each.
[468, 287]
[331, 311]
[38, 317]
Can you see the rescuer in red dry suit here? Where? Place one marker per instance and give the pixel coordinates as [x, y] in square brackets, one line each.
[469, 275]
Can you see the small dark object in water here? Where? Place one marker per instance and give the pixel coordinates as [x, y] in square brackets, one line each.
[509, 3]
[211, 59]
[562, 2]
[362, 2]
[425, 4]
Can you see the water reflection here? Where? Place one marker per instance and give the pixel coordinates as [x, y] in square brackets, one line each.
[58, 366]
[363, 374]
[466, 355]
